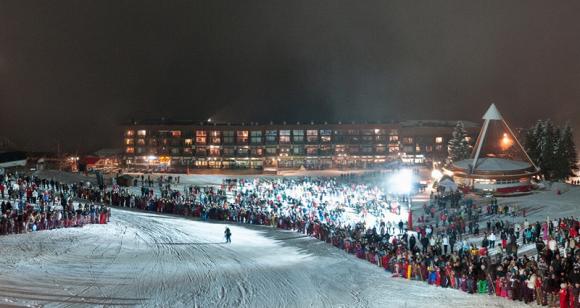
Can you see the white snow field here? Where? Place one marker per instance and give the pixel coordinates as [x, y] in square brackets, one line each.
[143, 259]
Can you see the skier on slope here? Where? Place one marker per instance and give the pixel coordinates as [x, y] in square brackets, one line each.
[228, 235]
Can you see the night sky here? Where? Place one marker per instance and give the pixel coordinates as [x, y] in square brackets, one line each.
[72, 71]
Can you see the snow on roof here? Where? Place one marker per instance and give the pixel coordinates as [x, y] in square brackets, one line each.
[493, 164]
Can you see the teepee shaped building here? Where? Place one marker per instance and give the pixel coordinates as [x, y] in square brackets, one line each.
[498, 163]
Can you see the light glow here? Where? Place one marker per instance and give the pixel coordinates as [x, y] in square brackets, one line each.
[436, 174]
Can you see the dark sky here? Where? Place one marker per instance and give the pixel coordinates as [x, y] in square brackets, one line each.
[71, 71]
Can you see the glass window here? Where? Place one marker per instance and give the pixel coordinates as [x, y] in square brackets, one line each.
[256, 137]
[298, 135]
[200, 137]
[141, 141]
[312, 151]
[214, 151]
[284, 136]
[407, 140]
[271, 136]
[176, 133]
[130, 150]
[229, 151]
[200, 151]
[438, 139]
[298, 150]
[271, 150]
[188, 142]
[242, 136]
[141, 133]
[367, 149]
[257, 151]
[130, 133]
[129, 141]
[312, 135]
[380, 149]
[395, 139]
[243, 151]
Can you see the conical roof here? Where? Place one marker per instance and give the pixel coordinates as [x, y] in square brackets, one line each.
[496, 146]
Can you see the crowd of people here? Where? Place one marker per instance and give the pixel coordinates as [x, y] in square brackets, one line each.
[455, 242]
[31, 204]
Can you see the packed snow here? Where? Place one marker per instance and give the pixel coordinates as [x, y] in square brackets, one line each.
[157, 260]
[145, 259]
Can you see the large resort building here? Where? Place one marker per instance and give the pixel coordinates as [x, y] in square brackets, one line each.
[179, 146]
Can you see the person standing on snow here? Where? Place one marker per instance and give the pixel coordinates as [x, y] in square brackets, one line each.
[228, 235]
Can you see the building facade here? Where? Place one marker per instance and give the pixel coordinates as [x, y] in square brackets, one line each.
[178, 146]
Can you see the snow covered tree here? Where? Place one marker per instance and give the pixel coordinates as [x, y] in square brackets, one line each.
[458, 147]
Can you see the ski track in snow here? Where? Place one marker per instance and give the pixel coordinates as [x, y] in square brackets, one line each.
[144, 259]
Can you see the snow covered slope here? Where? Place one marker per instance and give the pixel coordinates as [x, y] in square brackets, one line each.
[141, 259]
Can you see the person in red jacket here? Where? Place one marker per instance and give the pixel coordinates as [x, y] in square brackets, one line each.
[563, 295]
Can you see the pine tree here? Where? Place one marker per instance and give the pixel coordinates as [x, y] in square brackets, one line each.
[567, 153]
[458, 147]
[548, 140]
[532, 142]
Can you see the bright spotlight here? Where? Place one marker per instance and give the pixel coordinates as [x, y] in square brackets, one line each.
[436, 174]
[402, 182]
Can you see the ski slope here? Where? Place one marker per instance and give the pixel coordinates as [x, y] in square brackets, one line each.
[142, 259]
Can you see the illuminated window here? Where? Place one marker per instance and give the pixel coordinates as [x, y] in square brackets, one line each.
[380, 149]
[214, 151]
[468, 139]
[325, 135]
[339, 149]
[311, 150]
[188, 142]
[141, 141]
[243, 151]
[393, 149]
[395, 139]
[176, 133]
[130, 150]
[200, 137]
[257, 151]
[285, 136]
[242, 136]
[312, 135]
[141, 133]
[129, 141]
[438, 139]
[130, 133]
[407, 140]
[417, 148]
